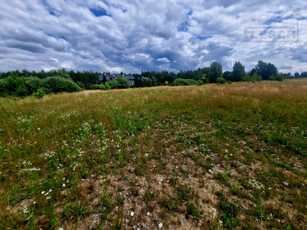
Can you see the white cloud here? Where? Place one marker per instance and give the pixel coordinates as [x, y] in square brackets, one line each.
[165, 60]
[132, 36]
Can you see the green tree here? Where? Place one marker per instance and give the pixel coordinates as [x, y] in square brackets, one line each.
[123, 83]
[63, 73]
[221, 80]
[238, 73]
[104, 79]
[216, 71]
[227, 75]
[304, 74]
[272, 70]
[266, 70]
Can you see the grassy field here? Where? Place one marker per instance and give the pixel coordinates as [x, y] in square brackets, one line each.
[200, 157]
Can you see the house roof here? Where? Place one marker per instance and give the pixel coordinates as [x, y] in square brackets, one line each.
[129, 77]
[113, 76]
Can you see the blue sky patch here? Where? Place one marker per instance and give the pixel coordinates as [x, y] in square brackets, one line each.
[99, 12]
[202, 38]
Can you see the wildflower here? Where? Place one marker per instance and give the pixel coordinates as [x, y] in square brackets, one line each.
[255, 184]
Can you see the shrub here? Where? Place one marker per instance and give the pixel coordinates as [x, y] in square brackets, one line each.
[120, 83]
[221, 80]
[81, 84]
[3, 87]
[254, 78]
[22, 91]
[40, 93]
[182, 82]
[95, 87]
[13, 82]
[200, 82]
[114, 84]
[22, 87]
[279, 78]
[123, 83]
[106, 86]
[60, 84]
[33, 84]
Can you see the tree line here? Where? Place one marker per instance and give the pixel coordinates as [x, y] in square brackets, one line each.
[24, 83]
[215, 74]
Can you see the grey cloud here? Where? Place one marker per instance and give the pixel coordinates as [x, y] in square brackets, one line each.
[140, 35]
[31, 47]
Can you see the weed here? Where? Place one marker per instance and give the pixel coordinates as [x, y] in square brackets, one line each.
[170, 204]
[192, 211]
[229, 212]
[148, 196]
[76, 211]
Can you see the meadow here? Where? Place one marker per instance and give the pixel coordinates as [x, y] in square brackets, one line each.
[192, 157]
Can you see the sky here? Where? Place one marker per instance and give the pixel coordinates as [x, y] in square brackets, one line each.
[151, 35]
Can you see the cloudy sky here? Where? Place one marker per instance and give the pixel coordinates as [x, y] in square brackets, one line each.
[136, 35]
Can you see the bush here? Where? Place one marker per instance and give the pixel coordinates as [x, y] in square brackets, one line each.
[39, 94]
[22, 91]
[221, 80]
[13, 82]
[22, 87]
[60, 84]
[33, 84]
[120, 83]
[254, 78]
[183, 82]
[3, 87]
[81, 84]
[95, 87]
[123, 83]
[200, 82]
[106, 86]
[279, 78]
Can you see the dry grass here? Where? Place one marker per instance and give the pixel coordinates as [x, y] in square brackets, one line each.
[215, 156]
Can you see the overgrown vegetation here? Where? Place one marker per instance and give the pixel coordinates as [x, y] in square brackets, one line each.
[193, 157]
[22, 87]
[180, 82]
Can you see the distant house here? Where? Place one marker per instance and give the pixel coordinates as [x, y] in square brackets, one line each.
[109, 77]
[100, 79]
[130, 78]
[113, 76]
[146, 78]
